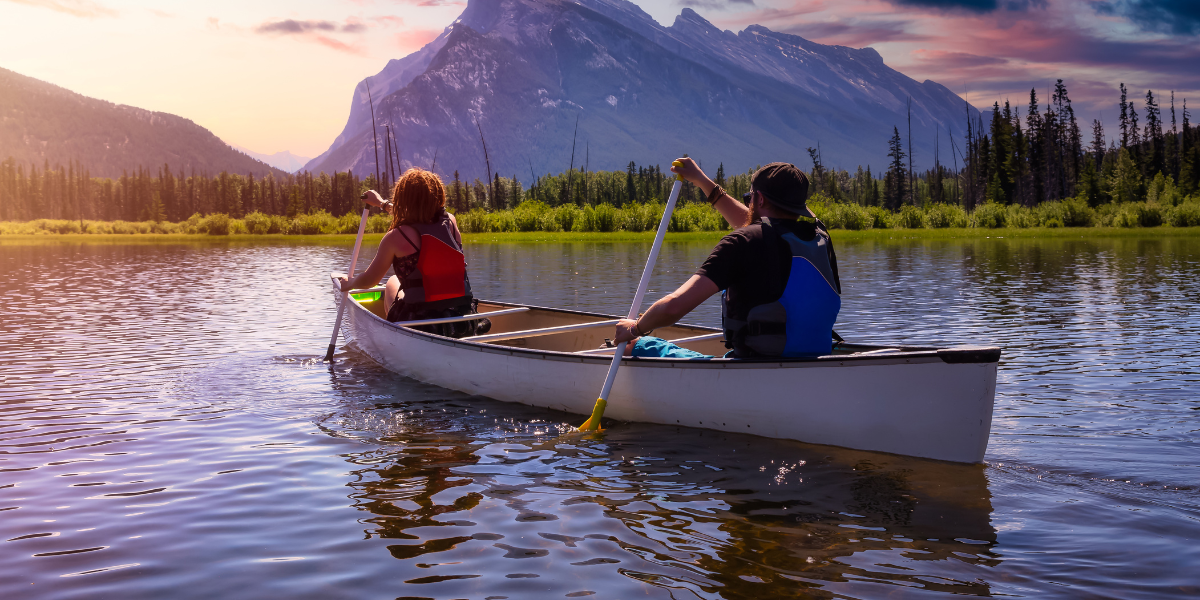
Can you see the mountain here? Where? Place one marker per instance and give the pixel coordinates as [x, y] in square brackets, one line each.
[42, 122]
[525, 70]
[285, 161]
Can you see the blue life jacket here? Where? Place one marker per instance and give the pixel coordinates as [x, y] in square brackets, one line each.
[800, 322]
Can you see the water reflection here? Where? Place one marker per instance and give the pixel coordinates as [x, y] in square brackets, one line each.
[508, 497]
[168, 430]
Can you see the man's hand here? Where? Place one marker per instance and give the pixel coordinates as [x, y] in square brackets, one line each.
[372, 197]
[345, 285]
[689, 170]
[626, 331]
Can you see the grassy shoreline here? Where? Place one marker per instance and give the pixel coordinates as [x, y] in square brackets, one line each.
[541, 237]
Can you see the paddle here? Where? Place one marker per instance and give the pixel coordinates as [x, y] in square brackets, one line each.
[362, 225]
[337, 325]
[593, 422]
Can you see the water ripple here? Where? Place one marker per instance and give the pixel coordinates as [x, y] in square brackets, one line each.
[167, 429]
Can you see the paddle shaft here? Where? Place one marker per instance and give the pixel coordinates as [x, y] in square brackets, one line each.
[642, 285]
[337, 325]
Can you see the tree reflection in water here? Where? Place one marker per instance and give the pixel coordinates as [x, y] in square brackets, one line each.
[486, 499]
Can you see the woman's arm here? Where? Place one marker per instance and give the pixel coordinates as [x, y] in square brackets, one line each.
[393, 245]
[734, 211]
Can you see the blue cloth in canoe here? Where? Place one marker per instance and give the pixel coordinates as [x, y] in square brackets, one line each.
[653, 347]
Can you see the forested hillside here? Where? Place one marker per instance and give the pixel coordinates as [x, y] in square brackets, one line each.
[43, 124]
[1005, 173]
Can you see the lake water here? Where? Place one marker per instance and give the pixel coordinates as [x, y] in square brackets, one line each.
[167, 429]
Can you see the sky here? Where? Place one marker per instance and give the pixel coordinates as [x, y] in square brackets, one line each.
[276, 75]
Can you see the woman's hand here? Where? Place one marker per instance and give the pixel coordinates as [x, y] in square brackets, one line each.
[372, 197]
[344, 284]
[689, 170]
[626, 331]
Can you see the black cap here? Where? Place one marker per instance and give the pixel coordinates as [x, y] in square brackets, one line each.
[783, 185]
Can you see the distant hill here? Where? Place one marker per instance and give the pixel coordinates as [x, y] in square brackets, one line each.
[280, 160]
[527, 69]
[42, 122]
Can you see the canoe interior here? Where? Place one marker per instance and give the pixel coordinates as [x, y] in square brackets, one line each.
[592, 338]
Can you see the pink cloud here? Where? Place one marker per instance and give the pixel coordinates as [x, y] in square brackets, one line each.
[337, 45]
[75, 8]
[413, 39]
[856, 33]
[948, 59]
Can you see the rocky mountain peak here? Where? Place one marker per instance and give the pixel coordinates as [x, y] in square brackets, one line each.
[527, 69]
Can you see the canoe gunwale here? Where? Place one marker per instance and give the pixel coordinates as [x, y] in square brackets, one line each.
[904, 354]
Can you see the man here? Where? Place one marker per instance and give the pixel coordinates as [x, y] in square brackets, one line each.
[778, 272]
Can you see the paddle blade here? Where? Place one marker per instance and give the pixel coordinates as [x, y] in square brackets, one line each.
[329, 354]
[593, 422]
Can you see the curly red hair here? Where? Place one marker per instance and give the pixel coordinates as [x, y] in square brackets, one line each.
[418, 197]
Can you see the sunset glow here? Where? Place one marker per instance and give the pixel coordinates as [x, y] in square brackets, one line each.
[272, 76]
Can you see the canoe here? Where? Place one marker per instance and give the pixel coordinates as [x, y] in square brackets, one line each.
[912, 400]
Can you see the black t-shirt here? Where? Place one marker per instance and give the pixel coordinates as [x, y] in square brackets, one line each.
[741, 265]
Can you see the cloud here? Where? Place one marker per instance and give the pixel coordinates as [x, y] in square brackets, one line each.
[413, 40]
[713, 4]
[291, 26]
[1180, 17]
[855, 33]
[75, 8]
[338, 45]
[947, 59]
[977, 6]
[319, 32]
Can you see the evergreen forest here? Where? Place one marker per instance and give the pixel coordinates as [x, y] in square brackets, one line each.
[1022, 170]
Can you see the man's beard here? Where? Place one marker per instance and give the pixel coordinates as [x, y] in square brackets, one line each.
[753, 217]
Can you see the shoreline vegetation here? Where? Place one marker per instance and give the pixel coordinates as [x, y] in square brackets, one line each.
[534, 220]
[646, 237]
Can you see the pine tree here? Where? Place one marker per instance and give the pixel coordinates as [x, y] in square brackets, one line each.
[630, 188]
[1153, 136]
[1127, 183]
[1189, 158]
[1000, 167]
[1072, 142]
[1036, 153]
[1124, 118]
[1172, 144]
[895, 182]
[458, 204]
[721, 174]
[1097, 142]
[499, 202]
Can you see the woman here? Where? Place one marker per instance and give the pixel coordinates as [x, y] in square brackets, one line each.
[424, 248]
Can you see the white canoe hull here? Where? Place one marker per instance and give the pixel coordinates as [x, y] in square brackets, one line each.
[928, 403]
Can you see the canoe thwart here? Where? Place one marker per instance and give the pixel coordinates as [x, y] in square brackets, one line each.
[485, 315]
[527, 333]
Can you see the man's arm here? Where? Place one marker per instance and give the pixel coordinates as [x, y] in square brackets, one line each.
[734, 211]
[669, 310]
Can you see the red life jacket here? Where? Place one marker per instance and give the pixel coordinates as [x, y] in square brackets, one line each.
[439, 281]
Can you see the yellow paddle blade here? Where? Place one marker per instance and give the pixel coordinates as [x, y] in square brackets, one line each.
[593, 422]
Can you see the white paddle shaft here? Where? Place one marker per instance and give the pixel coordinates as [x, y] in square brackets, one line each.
[642, 285]
[337, 325]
